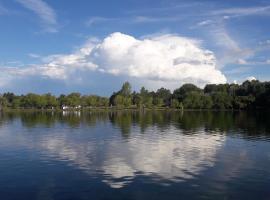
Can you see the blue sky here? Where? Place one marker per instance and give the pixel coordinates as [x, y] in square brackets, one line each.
[93, 46]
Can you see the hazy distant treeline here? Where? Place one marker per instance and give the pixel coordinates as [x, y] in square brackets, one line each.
[249, 95]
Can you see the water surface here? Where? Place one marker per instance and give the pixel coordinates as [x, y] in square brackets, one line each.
[134, 155]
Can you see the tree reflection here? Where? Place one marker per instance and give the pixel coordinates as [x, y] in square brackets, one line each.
[122, 120]
[251, 123]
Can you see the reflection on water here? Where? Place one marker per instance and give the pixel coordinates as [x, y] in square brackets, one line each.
[168, 157]
[210, 152]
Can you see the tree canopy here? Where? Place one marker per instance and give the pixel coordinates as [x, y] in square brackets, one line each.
[248, 95]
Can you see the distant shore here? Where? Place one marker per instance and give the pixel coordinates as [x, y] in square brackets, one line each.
[250, 95]
[123, 109]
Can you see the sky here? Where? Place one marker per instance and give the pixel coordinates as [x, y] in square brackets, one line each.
[93, 46]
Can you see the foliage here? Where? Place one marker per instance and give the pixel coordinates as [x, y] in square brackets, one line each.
[182, 92]
[248, 95]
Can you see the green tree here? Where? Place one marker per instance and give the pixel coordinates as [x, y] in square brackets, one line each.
[137, 100]
[9, 98]
[212, 88]
[206, 102]
[127, 101]
[62, 100]
[158, 101]
[165, 95]
[175, 103]
[74, 99]
[221, 100]
[51, 100]
[148, 101]
[125, 90]
[3, 102]
[192, 100]
[143, 92]
[16, 103]
[184, 90]
[243, 102]
[119, 100]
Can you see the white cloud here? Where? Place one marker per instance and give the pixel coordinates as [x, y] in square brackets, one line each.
[44, 11]
[169, 8]
[251, 78]
[33, 55]
[238, 70]
[169, 60]
[166, 58]
[215, 15]
[243, 11]
[230, 49]
[205, 22]
[3, 10]
[131, 20]
[94, 20]
[242, 61]
[245, 62]
[147, 19]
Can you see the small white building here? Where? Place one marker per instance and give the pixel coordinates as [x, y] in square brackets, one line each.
[78, 107]
[64, 107]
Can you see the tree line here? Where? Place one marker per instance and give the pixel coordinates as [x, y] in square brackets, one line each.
[248, 95]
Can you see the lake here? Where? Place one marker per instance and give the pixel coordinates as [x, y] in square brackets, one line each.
[134, 155]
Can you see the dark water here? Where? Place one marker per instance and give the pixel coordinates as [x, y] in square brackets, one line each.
[133, 155]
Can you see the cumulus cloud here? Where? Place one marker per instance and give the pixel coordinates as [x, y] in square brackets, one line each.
[167, 58]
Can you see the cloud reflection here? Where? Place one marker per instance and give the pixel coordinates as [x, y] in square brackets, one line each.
[155, 147]
[170, 156]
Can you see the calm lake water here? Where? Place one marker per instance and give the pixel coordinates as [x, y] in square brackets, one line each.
[134, 155]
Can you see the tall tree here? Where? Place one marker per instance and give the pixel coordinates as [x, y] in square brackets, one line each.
[126, 89]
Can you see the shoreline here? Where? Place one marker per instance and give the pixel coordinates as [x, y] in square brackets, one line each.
[125, 109]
